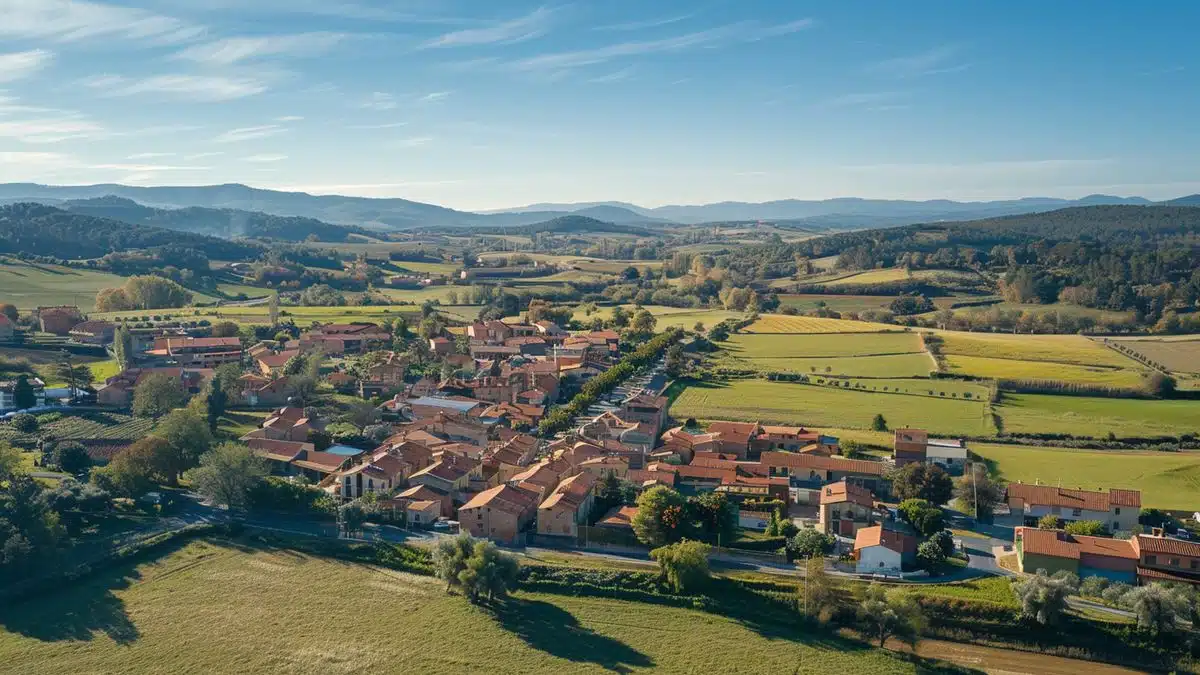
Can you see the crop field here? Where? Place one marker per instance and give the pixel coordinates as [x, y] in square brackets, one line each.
[1073, 349]
[584, 263]
[895, 274]
[781, 323]
[1180, 354]
[92, 425]
[1168, 480]
[209, 607]
[897, 365]
[30, 285]
[1063, 309]
[817, 346]
[1010, 369]
[837, 303]
[819, 406]
[423, 267]
[951, 389]
[1097, 417]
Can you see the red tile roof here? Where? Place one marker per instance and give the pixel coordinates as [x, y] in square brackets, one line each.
[621, 517]
[1089, 500]
[1059, 544]
[809, 461]
[841, 492]
[880, 536]
[1149, 544]
[505, 498]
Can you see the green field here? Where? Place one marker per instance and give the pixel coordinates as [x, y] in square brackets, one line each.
[1010, 369]
[30, 285]
[911, 386]
[1180, 354]
[897, 365]
[210, 607]
[1097, 417]
[1064, 309]
[781, 323]
[819, 406]
[837, 303]
[1167, 480]
[819, 346]
[1073, 349]
[896, 274]
[423, 267]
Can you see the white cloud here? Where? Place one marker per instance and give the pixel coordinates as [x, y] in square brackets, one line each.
[289, 118]
[743, 31]
[380, 101]
[250, 133]
[150, 155]
[649, 23]
[262, 159]
[930, 62]
[18, 65]
[617, 76]
[36, 158]
[230, 51]
[202, 155]
[530, 26]
[203, 88]
[414, 142]
[50, 130]
[388, 125]
[435, 96]
[70, 20]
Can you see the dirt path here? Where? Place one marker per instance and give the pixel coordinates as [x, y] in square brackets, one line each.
[1013, 662]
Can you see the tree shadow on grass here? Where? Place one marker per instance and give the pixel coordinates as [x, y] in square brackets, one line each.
[557, 632]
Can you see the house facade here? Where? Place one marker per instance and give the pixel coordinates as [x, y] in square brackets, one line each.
[1117, 509]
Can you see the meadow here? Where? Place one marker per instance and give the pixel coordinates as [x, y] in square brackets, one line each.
[30, 285]
[1179, 354]
[1167, 480]
[781, 323]
[212, 607]
[1098, 417]
[837, 303]
[896, 274]
[818, 346]
[821, 406]
[1063, 309]
[1072, 349]
[1011, 369]
[896, 365]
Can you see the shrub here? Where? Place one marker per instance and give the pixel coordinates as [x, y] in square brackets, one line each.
[24, 423]
[683, 565]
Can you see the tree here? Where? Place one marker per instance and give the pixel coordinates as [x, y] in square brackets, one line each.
[123, 347]
[23, 394]
[450, 558]
[1159, 384]
[930, 556]
[620, 317]
[303, 388]
[676, 362]
[918, 480]
[683, 565]
[716, 515]
[10, 461]
[809, 542]
[360, 415]
[222, 329]
[642, 323]
[273, 309]
[29, 530]
[24, 423]
[818, 595]
[156, 395]
[1042, 598]
[215, 402]
[879, 423]
[71, 458]
[1093, 587]
[75, 502]
[925, 518]
[886, 615]
[1156, 607]
[227, 474]
[10, 310]
[978, 492]
[945, 540]
[1088, 528]
[295, 365]
[134, 470]
[75, 376]
[1049, 522]
[187, 434]
[659, 519]
[351, 518]
[489, 573]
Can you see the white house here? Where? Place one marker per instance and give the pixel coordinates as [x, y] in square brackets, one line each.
[880, 550]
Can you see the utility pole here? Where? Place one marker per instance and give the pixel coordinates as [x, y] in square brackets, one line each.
[975, 488]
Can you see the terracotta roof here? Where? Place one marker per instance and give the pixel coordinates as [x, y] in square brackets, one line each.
[1059, 544]
[319, 461]
[687, 471]
[92, 327]
[841, 492]
[272, 360]
[541, 474]
[1167, 575]
[809, 461]
[423, 504]
[283, 451]
[503, 497]
[1149, 544]
[1089, 500]
[880, 536]
[621, 516]
[641, 476]
[444, 470]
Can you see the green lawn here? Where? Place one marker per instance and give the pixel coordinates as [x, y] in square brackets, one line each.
[1011, 369]
[1167, 480]
[102, 370]
[215, 608]
[788, 403]
[29, 285]
[1097, 417]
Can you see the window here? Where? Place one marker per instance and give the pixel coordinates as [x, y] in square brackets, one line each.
[1174, 562]
[1117, 511]
[1195, 564]
[1151, 560]
[1116, 526]
[1076, 512]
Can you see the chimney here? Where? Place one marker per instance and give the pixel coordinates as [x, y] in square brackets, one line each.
[1156, 532]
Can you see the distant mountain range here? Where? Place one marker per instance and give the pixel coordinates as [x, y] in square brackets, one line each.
[400, 214]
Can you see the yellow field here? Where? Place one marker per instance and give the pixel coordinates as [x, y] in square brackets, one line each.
[1074, 349]
[1179, 354]
[896, 274]
[1010, 369]
[781, 323]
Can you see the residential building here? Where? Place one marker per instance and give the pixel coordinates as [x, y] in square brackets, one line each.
[197, 352]
[344, 339]
[1117, 509]
[845, 509]
[258, 390]
[428, 494]
[441, 346]
[884, 549]
[619, 518]
[1162, 558]
[117, 391]
[58, 320]
[380, 473]
[94, 332]
[8, 399]
[567, 507]
[539, 479]
[915, 445]
[807, 473]
[908, 446]
[500, 513]
[1056, 550]
[271, 363]
[444, 475]
[646, 407]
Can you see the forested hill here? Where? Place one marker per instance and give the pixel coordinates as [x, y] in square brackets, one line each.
[571, 224]
[36, 229]
[227, 223]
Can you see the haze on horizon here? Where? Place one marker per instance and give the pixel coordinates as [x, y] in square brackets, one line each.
[480, 106]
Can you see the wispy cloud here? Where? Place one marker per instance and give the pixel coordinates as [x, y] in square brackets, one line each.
[264, 159]
[230, 51]
[618, 76]
[648, 23]
[933, 61]
[202, 155]
[743, 31]
[380, 100]
[203, 88]
[289, 118]
[71, 20]
[414, 142]
[150, 155]
[19, 65]
[250, 133]
[532, 25]
[50, 130]
[387, 125]
[434, 96]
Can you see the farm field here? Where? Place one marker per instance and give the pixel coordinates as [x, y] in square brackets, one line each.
[895, 274]
[1168, 480]
[209, 607]
[1097, 417]
[92, 425]
[303, 316]
[30, 285]
[896, 365]
[818, 406]
[1073, 349]
[1179, 354]
[910, 386]
[584, 263]
[1064, 309]
[837, 303]
[817, 346]
[1010, 369]
[424, 267]
[781, 323]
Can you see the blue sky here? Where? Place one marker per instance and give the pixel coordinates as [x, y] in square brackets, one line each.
[486, 104]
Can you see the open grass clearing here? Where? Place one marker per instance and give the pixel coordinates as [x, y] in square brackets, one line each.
[1011, 369]
[28, 285]
[1061, 309]
[779, 346]
[951, 389]
[896, 365]
[781, 323]
[1098, 417]
[1168, 480]
[818, 406]
[1179, 354]
[210, 607]
[1073, 349]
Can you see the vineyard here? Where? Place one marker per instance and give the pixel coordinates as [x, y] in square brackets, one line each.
[94, 426]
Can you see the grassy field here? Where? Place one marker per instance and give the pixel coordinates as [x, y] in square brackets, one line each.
[781, 323]
[1180, 354]
[102, 370]
[819, 406]
[30, 285]
[584, 263]
[837, 303]
[303, 316]
[1168, 480]
[1097, 417]
[1063, 309]
[210, 607]
[1011, 369]
[897, 365]
[819, 346]
[895, 274]
[423, 267]
[911, 386]
[1073, 349]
